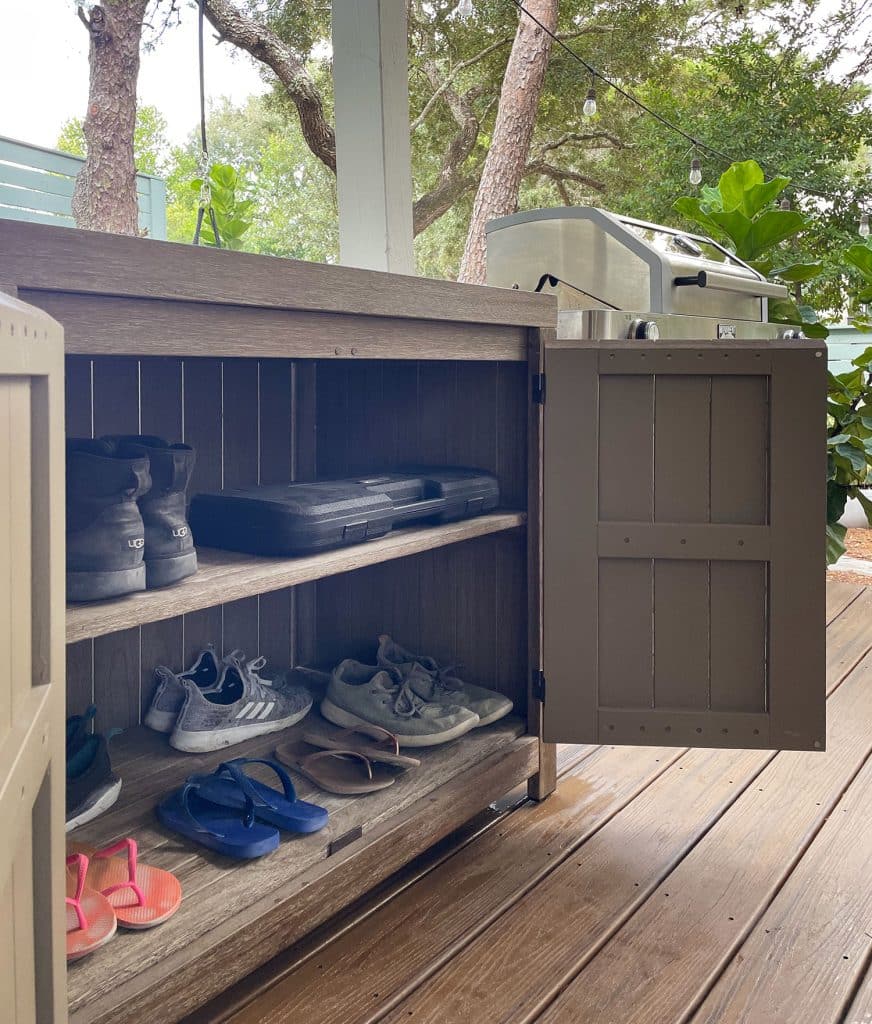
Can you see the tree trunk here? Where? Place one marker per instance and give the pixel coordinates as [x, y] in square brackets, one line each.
[506, 161]
[105, 194]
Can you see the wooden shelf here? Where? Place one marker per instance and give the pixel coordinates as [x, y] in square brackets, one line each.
[130, 978]
[228, 576]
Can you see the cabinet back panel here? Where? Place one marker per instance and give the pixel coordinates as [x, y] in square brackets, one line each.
[266, 420]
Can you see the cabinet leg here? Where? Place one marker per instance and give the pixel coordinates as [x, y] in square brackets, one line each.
[544, 782]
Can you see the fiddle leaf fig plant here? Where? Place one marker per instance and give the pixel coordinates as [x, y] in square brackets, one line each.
[860, 257]
[739, 212]
[849, 447]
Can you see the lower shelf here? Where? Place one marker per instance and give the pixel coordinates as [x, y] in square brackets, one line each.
[237, 914]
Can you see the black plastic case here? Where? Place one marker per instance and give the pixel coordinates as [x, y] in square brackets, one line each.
[300, 518]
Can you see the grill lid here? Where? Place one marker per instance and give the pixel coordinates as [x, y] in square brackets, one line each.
[595, 259]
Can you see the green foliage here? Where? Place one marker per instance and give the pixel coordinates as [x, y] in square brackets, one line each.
[739, 211]
[294, 212]
[849, 447]
[226, 188]
[150, 147]
[860, 258]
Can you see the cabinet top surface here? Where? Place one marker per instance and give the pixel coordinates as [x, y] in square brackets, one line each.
[45, 258]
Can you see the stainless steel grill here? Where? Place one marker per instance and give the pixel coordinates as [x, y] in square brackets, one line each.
[616, 277]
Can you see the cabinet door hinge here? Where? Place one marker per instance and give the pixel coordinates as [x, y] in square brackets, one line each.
[539, 685]
[539, 388]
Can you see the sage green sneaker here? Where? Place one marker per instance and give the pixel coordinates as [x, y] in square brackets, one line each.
[437, 684]
[360, 694]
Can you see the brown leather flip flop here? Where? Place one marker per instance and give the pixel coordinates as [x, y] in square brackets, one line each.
[386, 749]
[345, 772]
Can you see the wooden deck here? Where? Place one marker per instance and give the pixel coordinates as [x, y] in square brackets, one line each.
[657, 886]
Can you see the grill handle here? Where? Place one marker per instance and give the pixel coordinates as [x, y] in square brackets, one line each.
[729, 283]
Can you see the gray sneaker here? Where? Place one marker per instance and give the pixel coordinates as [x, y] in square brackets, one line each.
[366, 695]
[169, 691]
[437, 684]
[238, 708]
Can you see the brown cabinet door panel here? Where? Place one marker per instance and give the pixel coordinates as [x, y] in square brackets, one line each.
[683, 542]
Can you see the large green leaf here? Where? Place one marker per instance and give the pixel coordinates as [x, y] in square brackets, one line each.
[837, 497]
[797, 271]
[690, 207]
[861, 257]
[769, 229]
[835, 542]
[760, 196]
[736, 181]
[737, 228]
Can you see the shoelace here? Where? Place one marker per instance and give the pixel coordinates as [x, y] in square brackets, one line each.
[251, 667]
[407, 703]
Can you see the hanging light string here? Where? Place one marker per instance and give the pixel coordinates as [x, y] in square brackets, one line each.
[205, 200]
[695, 143]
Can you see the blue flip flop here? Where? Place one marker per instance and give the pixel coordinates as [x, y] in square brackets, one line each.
[226, 831]
[229, 786]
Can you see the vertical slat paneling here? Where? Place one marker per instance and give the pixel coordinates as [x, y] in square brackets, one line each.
[626, 459]
[80, 676]
[739, 450]
[276, 466]
[738, 636]
[681, 634]
[305, 376]
[116, 657]
[332, 597]
[160, 413]
[202, 421]
[626, 672]
[80, 657]
[513, 404]
[472, 441]
[332, 413]
[241, 468]
[77, 385]
[681, 449]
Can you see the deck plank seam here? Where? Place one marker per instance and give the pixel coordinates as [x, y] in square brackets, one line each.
[547, 1000]
[845, 607]
[770, 897]
[485, 922]
[863, 977]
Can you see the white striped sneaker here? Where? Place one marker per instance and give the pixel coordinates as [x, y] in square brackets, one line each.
[238, 708]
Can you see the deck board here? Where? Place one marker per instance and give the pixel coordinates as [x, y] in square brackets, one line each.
[559, 912]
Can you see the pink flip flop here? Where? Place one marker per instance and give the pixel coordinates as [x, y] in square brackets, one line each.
[141, 896]
[91, 921]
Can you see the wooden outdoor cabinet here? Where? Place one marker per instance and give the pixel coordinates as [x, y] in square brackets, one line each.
[655, 573]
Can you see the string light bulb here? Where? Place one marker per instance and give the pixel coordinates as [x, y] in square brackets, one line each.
[465, 10]
[784, 204]
[589, 108]
[864, 225]
[695, 176]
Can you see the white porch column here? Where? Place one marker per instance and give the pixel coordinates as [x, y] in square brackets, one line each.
[373, 154]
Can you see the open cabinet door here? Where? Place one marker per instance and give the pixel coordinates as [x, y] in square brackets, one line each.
[684, 488]
[32, 967]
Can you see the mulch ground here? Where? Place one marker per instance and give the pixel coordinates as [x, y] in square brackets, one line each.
[859, 545]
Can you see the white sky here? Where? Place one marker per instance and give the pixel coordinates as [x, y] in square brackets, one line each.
[36, 101]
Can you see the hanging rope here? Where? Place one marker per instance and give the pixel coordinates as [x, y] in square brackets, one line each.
[205, 201]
